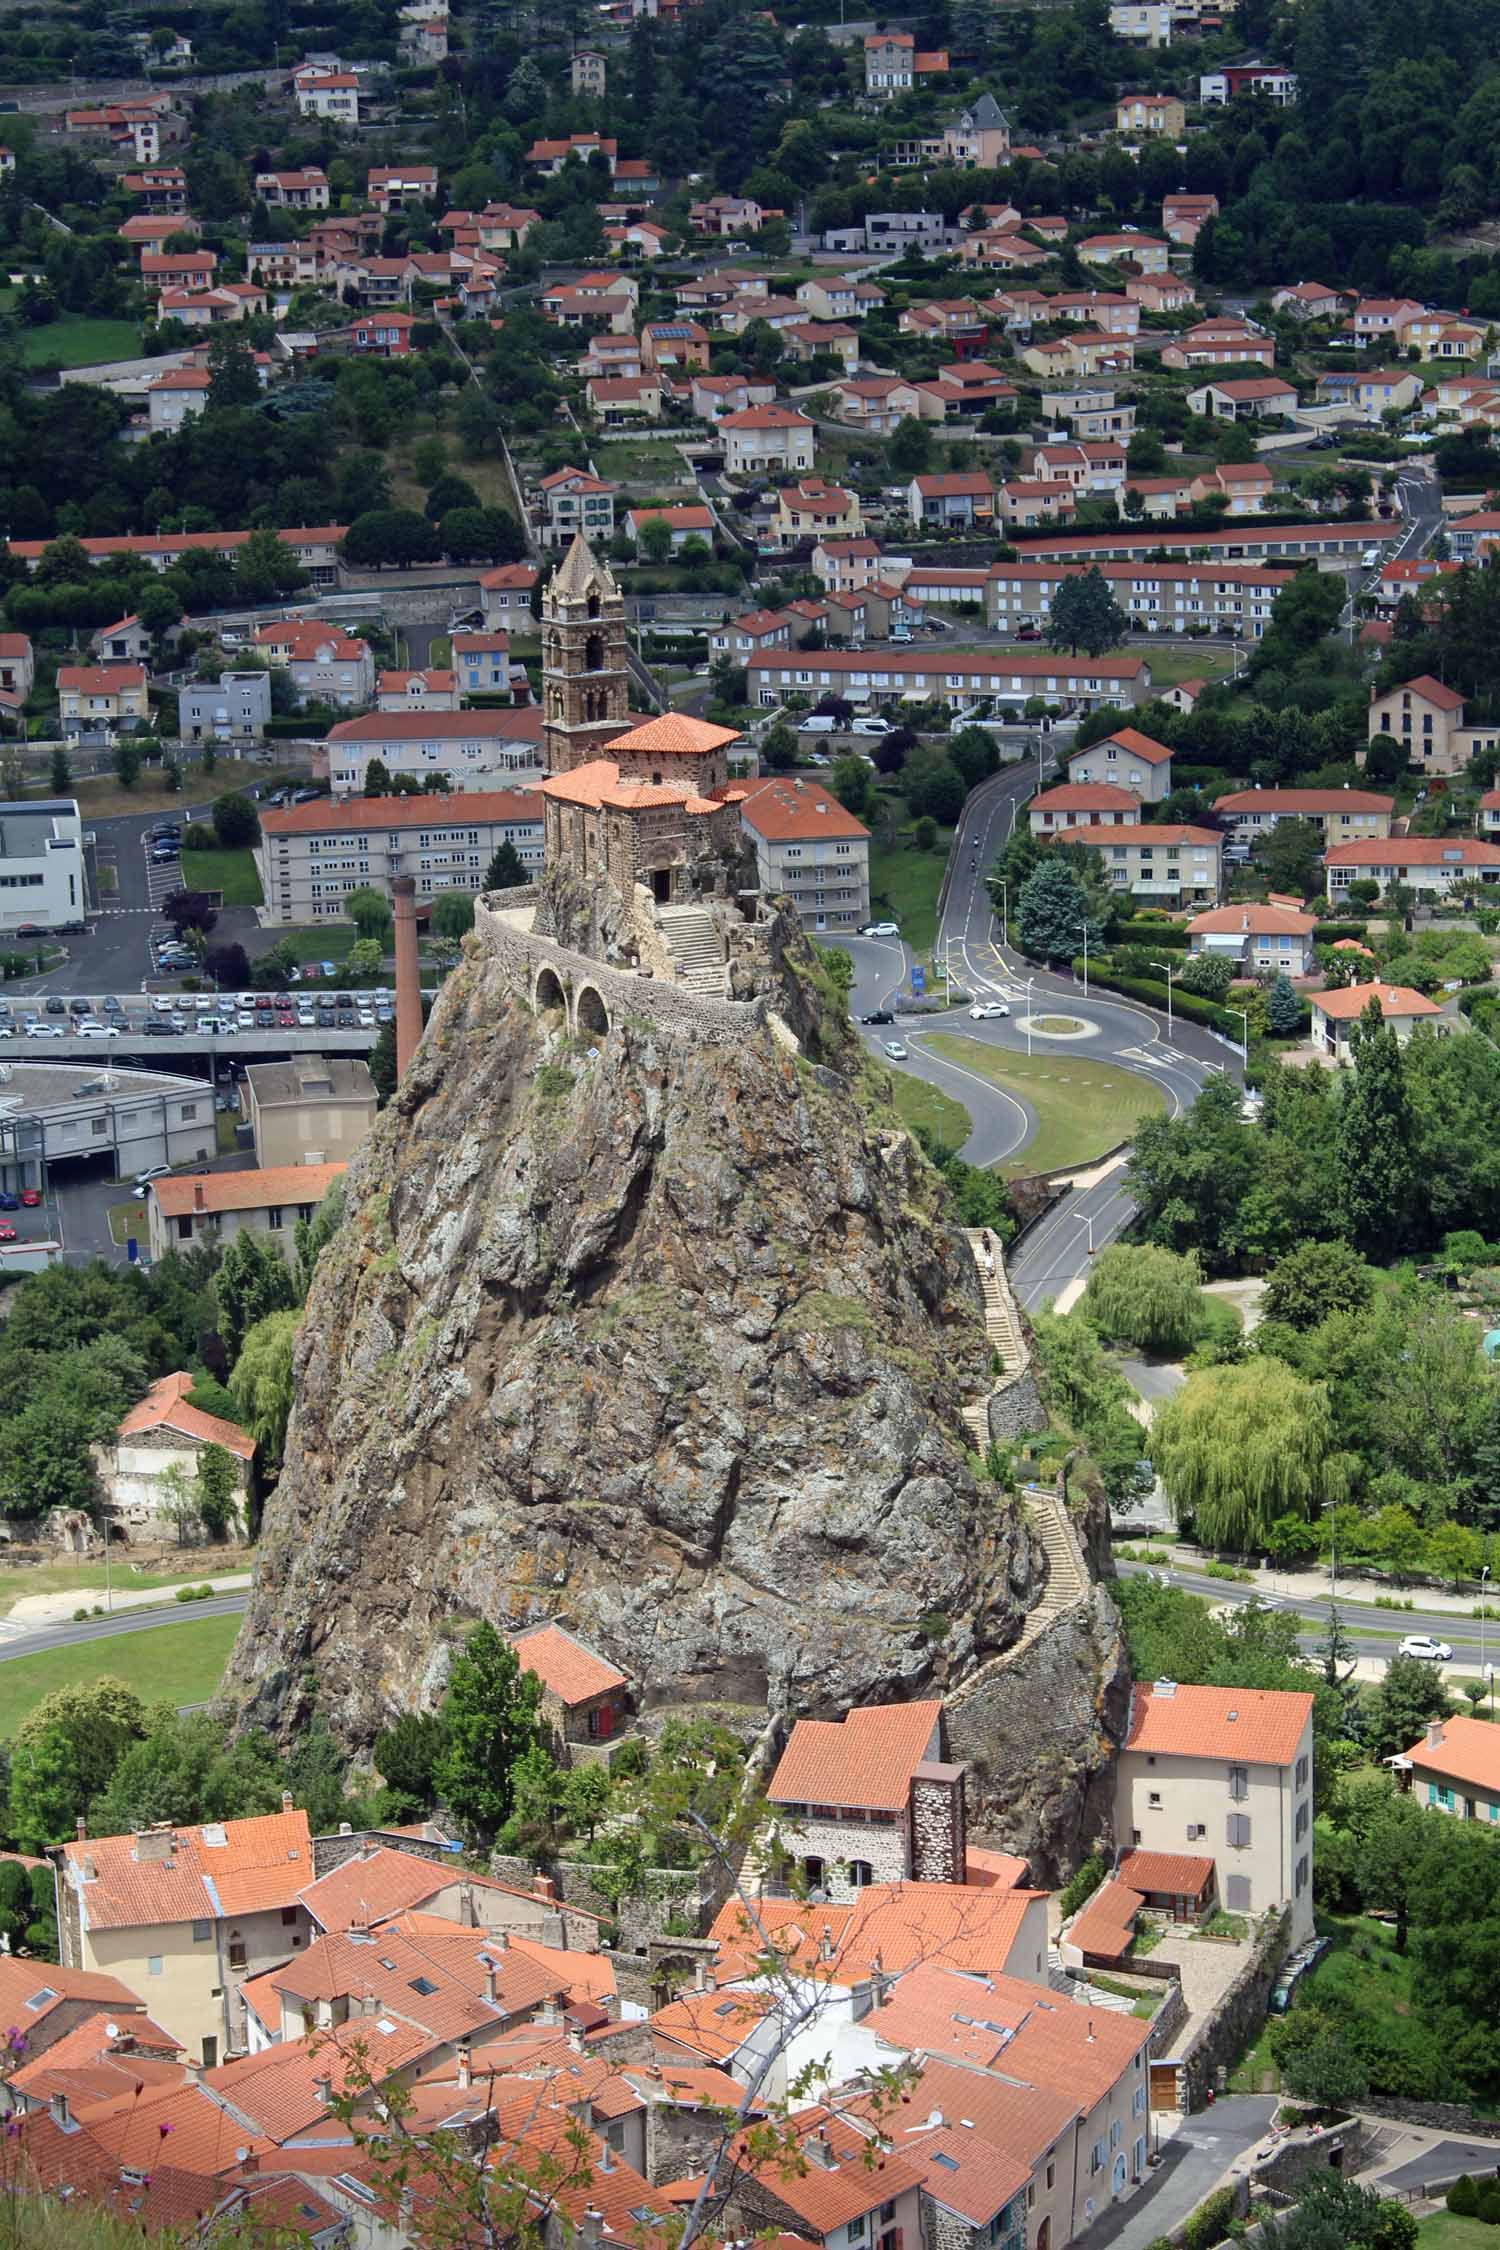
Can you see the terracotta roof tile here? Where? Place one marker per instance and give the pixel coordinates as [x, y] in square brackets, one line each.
[1349, 1004]
[867, 1758]
[1467, 1751]
[244, 1191]
[1252, 921]
[573, 1673]
[1085, 796]
[841, 2184]
[520, 724]
[336, 816]
[219, 1870]
[165, 1407]
[1251, 1726]
[1304, 801]
[1182, 1872]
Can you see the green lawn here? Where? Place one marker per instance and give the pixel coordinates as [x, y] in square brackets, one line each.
[88, 1579]
[79, 343]
[904, 884]
[127, 1219]
[331, 944]
[165, 1664]
[917, 1103]
[1444, 2232]
[233, 873]
[1082, 1108]
[1169, 665]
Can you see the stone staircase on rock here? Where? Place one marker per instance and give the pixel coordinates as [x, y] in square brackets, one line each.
[1067, 1575]
[696, 948]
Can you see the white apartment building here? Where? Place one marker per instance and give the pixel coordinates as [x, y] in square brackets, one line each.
[41, 866]
[1168, 862]
[1227, 1771]
[767, 437]
[1158, 597]
[1341, 816]
[1126, 759]
[56, 1111]
[810, 850]
[1145, 25]
[312, 856]
[499, 749]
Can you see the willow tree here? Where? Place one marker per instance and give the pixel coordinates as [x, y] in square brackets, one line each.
[1141, 1294]
[1240, 1446]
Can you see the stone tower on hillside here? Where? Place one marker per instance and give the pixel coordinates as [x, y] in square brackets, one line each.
[584, 680]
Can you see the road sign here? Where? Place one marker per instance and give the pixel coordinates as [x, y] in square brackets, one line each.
[918, 977]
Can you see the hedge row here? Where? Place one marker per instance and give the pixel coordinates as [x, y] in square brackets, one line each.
[300, 728]
[1153, 992]
[1329, 933]
[1172, 936]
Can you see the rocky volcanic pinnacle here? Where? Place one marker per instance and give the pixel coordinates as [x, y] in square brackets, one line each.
[668, 1342]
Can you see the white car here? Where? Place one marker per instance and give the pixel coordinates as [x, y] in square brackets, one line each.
[872, 725]
[1424, 1646]
[44, 1031]
[89, 1029]
[983, 1009]
[896, 1049]
[879, 929]
[206, 1005]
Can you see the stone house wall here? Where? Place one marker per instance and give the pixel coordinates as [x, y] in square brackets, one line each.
[1237, 2018]
[938, 1838]
[884, 1846]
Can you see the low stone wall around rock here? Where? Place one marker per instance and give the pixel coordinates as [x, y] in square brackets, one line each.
[623, 993]
[1339, 2148]
[1439, 2117]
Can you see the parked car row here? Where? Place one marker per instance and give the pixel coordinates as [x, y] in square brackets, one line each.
[219, 1015]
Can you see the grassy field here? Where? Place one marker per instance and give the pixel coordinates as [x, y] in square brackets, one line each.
[917, 1103]
[127, 1219]
[333, 944]
[176, 1663]
[88, 1579]
[1169, 665]
[233, 873]
[1082, 1108]
[1442, 2231]
[904, 885]
[79, 343]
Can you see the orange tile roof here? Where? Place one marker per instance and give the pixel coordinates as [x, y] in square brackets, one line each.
[866, 1759]
[328, 816]
[1101, 833]
[219, 1870]
[1105, 1926]
[1414, 851]
[244, 1191]
[1085, 796]
[678, 2086]
[674, 734]
[30, 1990]
[373, 1884]
[278, 2092]
[165, 1407]
[518, 723]
[100, 679]
[573, 1673]
[854, 2175]
[712, 2024]
[1021, 2122]
[1131, 738]
[1304, 801]
[1182, 1872]
[203, 2138]
[597, 783]
[1250, 1726]
[964, 2174]
[893, 1925]
[1349, 1004]
[433, 1975]
[984, 1868]
[1253, 920]
[783, 810]
[1467, 1751]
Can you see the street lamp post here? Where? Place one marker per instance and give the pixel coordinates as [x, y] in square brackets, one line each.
[1166, 968]
[1483, 1671]
[1085, 929]
[1244, 1016]
[1004, 911]
[1030, 981]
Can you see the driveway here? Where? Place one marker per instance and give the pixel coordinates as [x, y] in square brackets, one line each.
[1206, 1968]
[1200, 2152]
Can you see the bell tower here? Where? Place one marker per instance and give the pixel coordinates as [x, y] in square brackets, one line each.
[584, 679]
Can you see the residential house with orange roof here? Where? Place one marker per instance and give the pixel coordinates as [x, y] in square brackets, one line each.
[585, 1699]
[1258, 939]
[45, 2001]
[1229, 1771]
[1454, 1769]
[1068, 802]
[1432, 866]
[185, 1916]
[767, 438]
[323, 662]
[198, 1206]
[847, 2188]
[1172, 863]
[149, 1470]
[996, 2156]
[99, 698]
[1128, 759]
[808, 849]
[386, 1873]
[572, 501]
[1063, 2089]
[1336, 1014]
[1341, 816]
[1426, 718]
[105, 2055]
[870, 1798]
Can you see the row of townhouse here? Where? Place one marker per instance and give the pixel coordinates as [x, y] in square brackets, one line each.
[1158, 597]
[316, 547]
[958, 678]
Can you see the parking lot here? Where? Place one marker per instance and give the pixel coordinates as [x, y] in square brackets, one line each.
[139, 1016]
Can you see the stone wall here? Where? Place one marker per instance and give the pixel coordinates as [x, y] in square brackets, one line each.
[1167, 2021]
[1237, 2018]
[1016, 1409]
[1038, 1736]
[1338, 2148]
[329, 1852]
[668, 1894]
[1439, 2117]
[720, 1023]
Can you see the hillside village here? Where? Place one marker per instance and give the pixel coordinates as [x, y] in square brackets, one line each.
[797, 725]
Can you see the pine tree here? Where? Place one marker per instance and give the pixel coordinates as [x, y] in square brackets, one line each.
[1085, 615]
[505, 870]
[1283, 1009]
[1051, 913]
[489, 1722]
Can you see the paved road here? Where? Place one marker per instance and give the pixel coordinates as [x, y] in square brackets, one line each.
[1057, 1250]
[1370, 1631]
[1193, 2161]
[108, 1628]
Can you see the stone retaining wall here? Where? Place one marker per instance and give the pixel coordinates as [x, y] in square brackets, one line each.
[1016, 1409]
[1167, 2022]
[1239, 2015]
[1339, 2148]
[1439, 2117]
[667, 1894]
[624, 995]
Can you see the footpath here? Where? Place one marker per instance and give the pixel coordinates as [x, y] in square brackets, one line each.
[34, 1611]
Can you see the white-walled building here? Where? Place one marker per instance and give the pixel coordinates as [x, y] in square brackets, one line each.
[41, 866]
[471, 750]
[162, 1433]
[809, 849]
[312, 856]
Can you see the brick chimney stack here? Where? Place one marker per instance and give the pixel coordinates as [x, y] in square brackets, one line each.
[200, 1199]
[408, 982]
